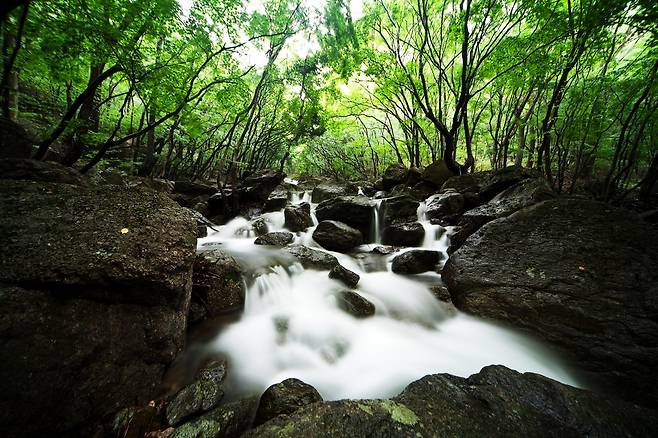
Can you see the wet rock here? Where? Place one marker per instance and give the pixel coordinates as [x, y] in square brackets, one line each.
[40, 171]
[337, 236]
[202, 224]
[400, 209]
[384, 250]
[483, 186]
[276, 201]
[298, 218]
[496, 402]
[354, 304]
[343, 274]
[409, 234]
[445, 206]
[441, 293]
[200, 396]
[355, 211]
[285, 398]
[312, 258]
[135, 422]
[193, 188]
[581, 275]
[260, 226]
[436, 173]
[276, 238]
[217, 283]
[416, 261]
[327, 191]
[258, 187]
[14, 140]
[414, 177]
[521, 195]
[395, 174]
[229, 420]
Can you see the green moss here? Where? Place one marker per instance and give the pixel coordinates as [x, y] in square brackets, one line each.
[200, 428]
[365, 408]
[398, 412]
[530, 272]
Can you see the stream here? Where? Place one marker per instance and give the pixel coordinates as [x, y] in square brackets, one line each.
[292, 325]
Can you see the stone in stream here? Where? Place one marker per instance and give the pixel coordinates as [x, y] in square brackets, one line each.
[337, 236]
[496, 402]
[217, 283]
[276, 201]
[343, 274]
[312, 258]
[298, 217]
[408, 234]
[198, 397]
[416, 261]
[275, 238]
[355, 211]
[354, 304]
[436, 173]
[229, 420]
[579, 274]
[400, 209]
[96, 284]
[326, 191]
[285, 398]
[395, 174]
[260, 226]
[445, 206]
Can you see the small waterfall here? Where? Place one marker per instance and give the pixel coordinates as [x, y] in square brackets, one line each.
[376, 222]
[433, 233]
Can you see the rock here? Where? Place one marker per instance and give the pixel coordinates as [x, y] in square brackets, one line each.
[217, 283]
[327, 191]
[441, 293]
[43, 171]
[202, 224]
[337, 236]
[414, 177]
[395, 174]
[135, 422]
[409, 234]
[276, 201]
[496, 402]
[483, 186]
[400, 209]
[355, 211]
[14, 141]
[229, 420]
[198, 397]
[276, 238]
[193, 188]
[580, 274]
[367, 187]
[343, 274]
[437, 173]
[224, 205]
[260, 226]
[298, 218]
[416, 261]
[354, 304]
[95, 286]
[445, 206]
[521, 195]
[285, 398]
[312, 258]
[383, 250]
[258, 187]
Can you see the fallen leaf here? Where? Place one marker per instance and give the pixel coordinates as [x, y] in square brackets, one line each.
[124, 230]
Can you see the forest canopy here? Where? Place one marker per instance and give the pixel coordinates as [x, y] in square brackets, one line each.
[218, 89]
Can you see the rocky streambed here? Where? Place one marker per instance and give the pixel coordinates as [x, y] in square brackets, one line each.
[422, 305]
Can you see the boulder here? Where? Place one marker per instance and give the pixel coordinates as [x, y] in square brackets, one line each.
[43, 171]
[445, 206]
[193, 188]
[217, 283]
[354, 304]
[337, 236]
[355, 211]
[395, 174]
[275, 238]
[483, 186]
[579, 274]
[229, 420]
[520, 195]
[260, 226]
[416, 261]
[285, 398]
[496, 402]
[298, 217]
[327, 191]
[96, 285]
[14, 140]
[436, 173]
[400, 209]
[409, 234]
[414, 177]
[200, 396]
[343, 274]
[276, 201]
[258, 186]
[312, 258]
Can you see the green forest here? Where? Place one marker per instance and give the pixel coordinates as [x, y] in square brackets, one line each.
[215, 90]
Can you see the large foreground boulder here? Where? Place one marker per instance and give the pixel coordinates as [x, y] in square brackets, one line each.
[337, 236]
[95, 288]
[496, 402]
[580, 274]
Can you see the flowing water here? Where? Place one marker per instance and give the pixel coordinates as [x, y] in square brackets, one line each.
[293, 327]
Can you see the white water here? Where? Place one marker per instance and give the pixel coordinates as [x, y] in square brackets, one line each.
[292, 326]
